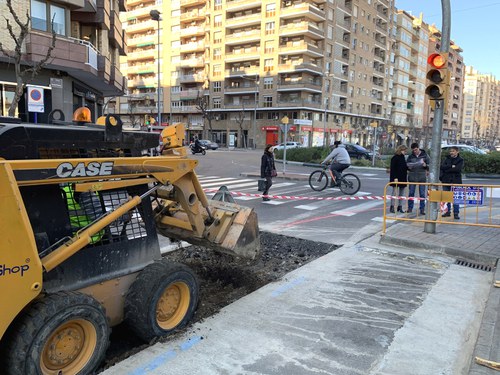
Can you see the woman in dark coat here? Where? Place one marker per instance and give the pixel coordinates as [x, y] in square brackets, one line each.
[398, 173]
[267, 169]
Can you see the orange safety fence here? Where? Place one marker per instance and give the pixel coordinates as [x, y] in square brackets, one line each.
[479, 204]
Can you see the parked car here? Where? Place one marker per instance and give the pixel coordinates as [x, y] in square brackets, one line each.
[357, 151]
[288, 145]
[209, 144]
[463, 148]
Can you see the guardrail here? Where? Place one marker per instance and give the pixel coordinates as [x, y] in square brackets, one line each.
[479, 204]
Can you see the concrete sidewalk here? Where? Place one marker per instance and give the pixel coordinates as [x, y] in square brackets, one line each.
[311, 322]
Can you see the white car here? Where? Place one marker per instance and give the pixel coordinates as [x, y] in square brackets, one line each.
[463, 148]
[288, 145]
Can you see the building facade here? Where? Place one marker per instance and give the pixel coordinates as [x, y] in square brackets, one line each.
[83, 67]
[237, 68]
[481, 110]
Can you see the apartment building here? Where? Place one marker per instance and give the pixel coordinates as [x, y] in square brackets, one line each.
[83, 68]
[321, 64]
[481, 110]
[410, 69]
[452, 117]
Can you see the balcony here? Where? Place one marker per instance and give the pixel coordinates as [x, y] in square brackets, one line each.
[142, 12]
[232, 5]
[188, 3]
[144, 82]
[300, 86]
[142, 41]
[191, 78]
[198, 14]
[303, 66]
[309, 29]
[76, 57]
[300, 48]
[244, 54]
[244, 21]
[116, 78]
[303, 10]
[243, 37]
[141, 69]
[193, 31]
[193, 46]
[141, 27]
[147, 54]
[283, 102]
[242, 71]
[190, 94]
[192, 63]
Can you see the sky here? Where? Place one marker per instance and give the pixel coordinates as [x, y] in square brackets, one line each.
[475, 27]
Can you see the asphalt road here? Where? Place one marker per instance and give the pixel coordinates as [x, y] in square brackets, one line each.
[330, 221]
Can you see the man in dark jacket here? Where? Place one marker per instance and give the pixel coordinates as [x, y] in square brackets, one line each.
[451, 172]
[418, 167]
[267, 170]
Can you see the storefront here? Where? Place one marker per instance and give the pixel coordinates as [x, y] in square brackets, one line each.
[272, 134]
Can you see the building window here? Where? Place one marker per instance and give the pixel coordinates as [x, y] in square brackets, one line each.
[218, 37]
[268, 65]
[270, 10]
[39, 17]
[218, 20]
[268, 101]
[268, 83]
[217, 54]
[217, 86]
[217, 70]
[216, 103]
[269, 28]
[217, 4]
[269, 48]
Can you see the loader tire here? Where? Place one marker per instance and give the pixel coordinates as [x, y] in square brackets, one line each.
[162, 299]
[63, 333]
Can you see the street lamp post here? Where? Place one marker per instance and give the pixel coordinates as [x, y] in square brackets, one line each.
[254, 124]
[324, 123]
[155, 15]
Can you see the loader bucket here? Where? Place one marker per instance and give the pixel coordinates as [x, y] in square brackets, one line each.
[234, 230]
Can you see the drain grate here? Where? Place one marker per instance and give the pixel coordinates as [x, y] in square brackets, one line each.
[477, 266]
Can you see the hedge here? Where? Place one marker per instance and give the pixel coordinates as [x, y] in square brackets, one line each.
[473, 163]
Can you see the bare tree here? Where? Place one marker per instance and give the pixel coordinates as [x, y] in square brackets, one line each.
[134, 118]
[202, 104]
[25, 71]
[240, 118]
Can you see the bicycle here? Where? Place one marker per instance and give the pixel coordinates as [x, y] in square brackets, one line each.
[348, 183]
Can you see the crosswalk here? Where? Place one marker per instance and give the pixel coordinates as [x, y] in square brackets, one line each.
[246, 191]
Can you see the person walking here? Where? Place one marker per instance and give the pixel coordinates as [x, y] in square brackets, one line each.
[451, 172]
[340, 160]
[418, 167]
[398, 173]
[267, 170]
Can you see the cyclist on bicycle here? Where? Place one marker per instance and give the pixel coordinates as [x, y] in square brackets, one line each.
[340, 160]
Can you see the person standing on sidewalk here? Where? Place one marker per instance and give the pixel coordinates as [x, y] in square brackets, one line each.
[418, 166]
[451, 172]
[267, 170]
[398, 173]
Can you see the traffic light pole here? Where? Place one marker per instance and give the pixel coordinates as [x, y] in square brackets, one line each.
[437, 125]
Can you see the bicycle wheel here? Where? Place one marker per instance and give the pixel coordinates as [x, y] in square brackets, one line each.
[318, 180]
[349, 184]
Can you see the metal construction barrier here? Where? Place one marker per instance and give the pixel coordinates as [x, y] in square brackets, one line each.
[479, 205]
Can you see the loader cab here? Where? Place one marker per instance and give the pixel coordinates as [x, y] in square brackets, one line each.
[57, 211]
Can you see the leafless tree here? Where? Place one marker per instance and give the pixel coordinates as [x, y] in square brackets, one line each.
[240, 118]
[203, 104]
[134, 118]
[25, 71]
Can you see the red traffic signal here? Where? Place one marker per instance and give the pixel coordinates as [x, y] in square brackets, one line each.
[438, 75]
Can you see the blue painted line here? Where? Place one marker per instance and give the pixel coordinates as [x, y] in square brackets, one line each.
[163, 358]
[285, 287]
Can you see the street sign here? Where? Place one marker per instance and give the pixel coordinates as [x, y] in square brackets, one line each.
[470, 195]
[285, 128]
[35, 99]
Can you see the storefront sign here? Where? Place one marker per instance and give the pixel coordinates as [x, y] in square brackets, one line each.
[302, 122]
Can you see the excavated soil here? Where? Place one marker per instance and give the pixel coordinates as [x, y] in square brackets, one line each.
[224, 279]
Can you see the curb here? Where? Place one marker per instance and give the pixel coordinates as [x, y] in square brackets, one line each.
[440, 249]
[488, 340]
